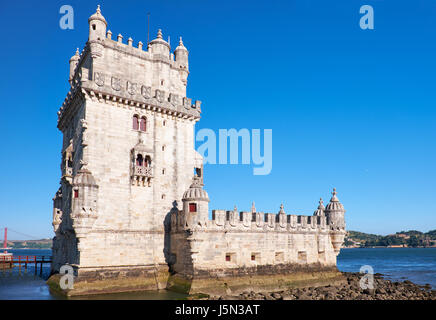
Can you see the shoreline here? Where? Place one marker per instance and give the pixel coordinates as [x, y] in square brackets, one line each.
[379, 247]
[383, 290]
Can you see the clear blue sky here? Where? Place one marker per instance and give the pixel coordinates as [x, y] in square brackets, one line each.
[349, 108]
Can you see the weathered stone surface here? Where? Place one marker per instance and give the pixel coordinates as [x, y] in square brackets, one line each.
[129, 207]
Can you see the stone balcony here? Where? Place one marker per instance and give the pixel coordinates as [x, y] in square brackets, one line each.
[141, 171]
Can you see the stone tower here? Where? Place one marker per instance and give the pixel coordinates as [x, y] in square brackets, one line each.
[131, 212]
[127, 155]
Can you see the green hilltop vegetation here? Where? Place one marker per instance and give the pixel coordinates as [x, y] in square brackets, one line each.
[30, 244]
[411, 238]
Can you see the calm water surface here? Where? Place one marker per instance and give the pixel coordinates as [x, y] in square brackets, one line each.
[415, 264]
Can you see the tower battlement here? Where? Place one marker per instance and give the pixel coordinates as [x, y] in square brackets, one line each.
[252, 221]
[128, 160]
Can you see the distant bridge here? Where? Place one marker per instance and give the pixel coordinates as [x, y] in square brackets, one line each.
[8, 261]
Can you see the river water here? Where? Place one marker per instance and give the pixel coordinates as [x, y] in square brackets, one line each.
[415, 264]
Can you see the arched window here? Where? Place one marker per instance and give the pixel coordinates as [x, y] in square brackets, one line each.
[147, 161]
[135, 122]
[139, 160]
[143, 124]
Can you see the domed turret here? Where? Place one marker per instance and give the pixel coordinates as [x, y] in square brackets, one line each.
[321, 209]
[84, 178]
[159, 45]
[335, 212]
[195, 204]
[196, 191]
[97, 26]
[181, 54]
[73, 64]
[84, 202]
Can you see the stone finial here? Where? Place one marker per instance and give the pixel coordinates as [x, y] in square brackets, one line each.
[235, 209]
[140, 45]
[282, 209]
[321, 204]
[76, 56]
[109, 35]
[334, 197]
[97, 16]
[130, 41]
[334, 204]
[120, 38]
[159, 34]
[181, 42]
[253, 208]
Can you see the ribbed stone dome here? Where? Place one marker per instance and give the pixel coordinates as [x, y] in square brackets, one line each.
[84, 177]
[196, 191]
[334, 204]
[321, 209]
[76, 57]
[159, 40]
[97, 16]
[181, 46]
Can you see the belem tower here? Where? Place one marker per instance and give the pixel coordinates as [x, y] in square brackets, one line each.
[131, 212]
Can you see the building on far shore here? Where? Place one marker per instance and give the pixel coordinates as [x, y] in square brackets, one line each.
[131, 212]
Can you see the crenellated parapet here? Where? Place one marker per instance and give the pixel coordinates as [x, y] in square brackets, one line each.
[195, 216]
[157, 78]
[245, 221]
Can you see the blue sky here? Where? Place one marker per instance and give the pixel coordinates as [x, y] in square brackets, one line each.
[349, 108]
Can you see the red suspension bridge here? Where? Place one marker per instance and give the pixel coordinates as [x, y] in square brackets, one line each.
[9, 260]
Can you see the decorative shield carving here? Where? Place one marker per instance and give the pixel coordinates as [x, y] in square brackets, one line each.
[259, 220]
[116, 84]
[282, 220]
[271, 220]
[197, 105]
[219, 217]
[233, 216]
[246, 219]
[159, 95]
[174, 99]
[146, 92]
[187, 102]
[131, 87]
[99, 78]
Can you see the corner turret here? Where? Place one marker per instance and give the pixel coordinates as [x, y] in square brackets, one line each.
[159, 45]
[335, 213]
[84, 202]
[73, 64]
[321, 209]
[97, 26]
[181, 54]
[195, 204]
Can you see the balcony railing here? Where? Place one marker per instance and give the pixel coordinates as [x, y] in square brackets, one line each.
[143, 171]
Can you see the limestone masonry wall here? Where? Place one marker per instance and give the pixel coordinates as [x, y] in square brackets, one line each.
[129, 198]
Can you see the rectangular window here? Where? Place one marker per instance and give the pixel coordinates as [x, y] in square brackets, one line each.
[302, 256]
[280, 257]
[228, 257]
[76, 193]
[192, 207]
[253, 257]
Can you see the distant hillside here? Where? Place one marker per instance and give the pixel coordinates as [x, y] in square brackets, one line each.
[30, 244]
[411, 238]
